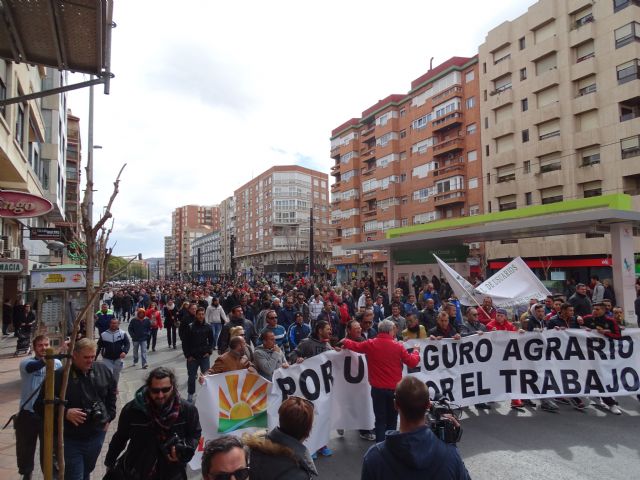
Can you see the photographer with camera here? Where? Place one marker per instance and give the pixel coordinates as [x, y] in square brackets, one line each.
[90, 407]
[414, 451]
[161, 428]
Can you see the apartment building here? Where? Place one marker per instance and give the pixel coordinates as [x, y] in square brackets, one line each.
[169, 257]
[227, 235]
[273, 221]
[409, 159]
[188, 223]
[206, 261]
[32, 160]
[73, 177]
[560, 107]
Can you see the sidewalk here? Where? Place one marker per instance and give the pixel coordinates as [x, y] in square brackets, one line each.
[130, 380]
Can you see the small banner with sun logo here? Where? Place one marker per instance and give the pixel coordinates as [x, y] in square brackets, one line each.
[231, 403]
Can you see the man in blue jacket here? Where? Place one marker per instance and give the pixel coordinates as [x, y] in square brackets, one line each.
[413, 452]
[140, 330]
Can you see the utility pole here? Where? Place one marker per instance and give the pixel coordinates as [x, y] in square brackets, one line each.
[90, 242]
[232, 251]
[311, 252]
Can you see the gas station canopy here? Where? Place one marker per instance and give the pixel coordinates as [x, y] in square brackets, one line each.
[66, 35]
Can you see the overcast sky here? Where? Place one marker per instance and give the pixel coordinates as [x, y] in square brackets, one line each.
[208, 94]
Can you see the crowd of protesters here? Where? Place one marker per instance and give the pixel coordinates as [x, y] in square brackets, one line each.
[262, 325]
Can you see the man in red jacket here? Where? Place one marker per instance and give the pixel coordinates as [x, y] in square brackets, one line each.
[385, 357]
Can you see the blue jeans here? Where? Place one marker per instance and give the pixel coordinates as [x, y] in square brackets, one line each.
[384, 411]
[80, 456]
[143, 352]
[217, 328]
[192, 371]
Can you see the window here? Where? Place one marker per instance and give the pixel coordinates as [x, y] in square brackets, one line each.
[585, 51]
[630, 146]
[472, 156]
[504, 143]
[421, 195]
[528, 200]
[508, 202]
[544, 32]
[447, 107]
[549, 129]
[620, 4]
[525, 135]
[422, 171]
[403, 155]
[628, 71]
[421, 122]
[474, 210]
[549, 62]
[629, 109]
[627, 34]
[450, 184]
[503, 53]
[471, 102]
[486, 122]
[523, 73]
[471, 129]
[403, 112]
[524, 104]
[486, 150]
[592, 189]
[526, 166]
[20, 125]
[550, 162]
[501, 84]
[403, 133]
[369, 185]
[522, 44]
[586, 85]
[469, 76]
[551, 195]
[503, 113]
[547, 96]
[582, 17]
[587, 120]
[421, 147]
[425, 218]
[506, 173]
[473, 182]
[484, 67]
[589, 156]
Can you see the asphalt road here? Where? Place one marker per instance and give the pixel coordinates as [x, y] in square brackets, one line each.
[507, 444]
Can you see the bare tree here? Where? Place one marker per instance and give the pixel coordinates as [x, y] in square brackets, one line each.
[97, 255]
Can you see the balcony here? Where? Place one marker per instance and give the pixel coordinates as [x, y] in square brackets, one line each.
[452, 119]
[500, 98]
[369, 212]
[368, 170]
[447, 94]
[449, 198]
[455, 167]
[371, 194]
[447, 146]
[367, 131]
[364, 153]
[581, 31]
[335, 187]
[335, 170]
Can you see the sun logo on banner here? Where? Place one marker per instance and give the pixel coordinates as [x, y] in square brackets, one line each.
[242, 405]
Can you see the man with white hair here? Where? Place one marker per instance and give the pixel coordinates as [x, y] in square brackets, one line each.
[385, 357]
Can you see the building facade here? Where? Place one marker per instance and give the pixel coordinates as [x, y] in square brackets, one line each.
[409, 159]
[32, 160]
[188, 223]
[206, 261]
[73, 177]
[560, 107]
[169, 257]
[227, 235]
[273, 221]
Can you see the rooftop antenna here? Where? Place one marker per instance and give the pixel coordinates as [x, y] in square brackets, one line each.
[431, 64]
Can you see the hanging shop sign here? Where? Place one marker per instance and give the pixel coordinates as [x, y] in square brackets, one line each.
[39, 233]
[14, 204]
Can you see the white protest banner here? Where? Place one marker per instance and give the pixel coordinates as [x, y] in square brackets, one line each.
[230, 403]
[508, 365]
[514, 284]
[337, 385]
[461, 287]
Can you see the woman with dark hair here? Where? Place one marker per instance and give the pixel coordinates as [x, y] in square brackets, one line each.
[280, 453]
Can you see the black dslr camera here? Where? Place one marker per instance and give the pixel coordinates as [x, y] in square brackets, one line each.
[441, 426]
[184, 452]
[96, 414]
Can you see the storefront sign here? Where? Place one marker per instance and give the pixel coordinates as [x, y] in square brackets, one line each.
[454, 254]
[53, 279]
[11, 266]
[14, 204]
[37, 233]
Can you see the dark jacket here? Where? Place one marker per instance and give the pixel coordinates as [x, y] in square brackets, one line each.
[428, 318]
[139, 329]
[278, 455]
[112, 344]
[185, 320]
[135, 426]
[415, 455]
[98, 385]
[557, 321]
[250, 334]
[309, 347]
[197, 340]
[581, 304]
